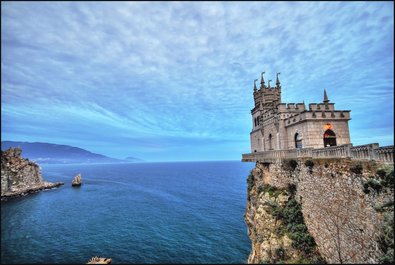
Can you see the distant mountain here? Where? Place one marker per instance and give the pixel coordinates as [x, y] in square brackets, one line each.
[58, 154]
[133, 159]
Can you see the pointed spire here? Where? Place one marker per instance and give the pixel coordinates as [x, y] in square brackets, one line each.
[268, 82]
[262, 81]
[325, 97]
[255, 89]
[278, 81]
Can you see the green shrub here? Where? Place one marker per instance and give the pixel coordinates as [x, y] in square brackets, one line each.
[381, 173]
[374, 184]
[357, 169]
[280, 253]
[261, 189]
[280, 230]
[293, 164]
[366, 188]
[389, 180]
[385, 207]
[293, 224]
[270, 190]
[291, 189]
[293, 213]
[289, 165]
[250, 181]
[309, 164]
[303, 241]
[386, 239]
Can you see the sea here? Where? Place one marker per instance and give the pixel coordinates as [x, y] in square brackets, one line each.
[179, 212]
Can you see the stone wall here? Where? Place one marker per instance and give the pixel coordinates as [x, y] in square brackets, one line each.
[312, 132]
[338, 206]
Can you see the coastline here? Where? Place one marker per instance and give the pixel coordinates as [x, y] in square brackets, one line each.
[29, 190]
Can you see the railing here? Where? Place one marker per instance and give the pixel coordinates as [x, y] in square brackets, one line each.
[332, 151]
[385, 154]
[368, 152]
[269, 156]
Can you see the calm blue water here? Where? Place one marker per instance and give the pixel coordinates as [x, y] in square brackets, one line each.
[189, 212]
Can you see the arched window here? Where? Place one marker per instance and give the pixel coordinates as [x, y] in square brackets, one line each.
[270, 142]
[329, 138]
[298, 141]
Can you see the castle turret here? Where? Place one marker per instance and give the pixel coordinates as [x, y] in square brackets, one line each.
[278, 86]
[326, 100]
[278, 82]
[262, 81]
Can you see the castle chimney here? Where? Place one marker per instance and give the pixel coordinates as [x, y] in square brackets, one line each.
[268, 82]
[255, 89]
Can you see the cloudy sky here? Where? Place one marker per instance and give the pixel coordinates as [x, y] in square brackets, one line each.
[172, 81]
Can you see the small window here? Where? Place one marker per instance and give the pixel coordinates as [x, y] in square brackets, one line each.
[298, 141]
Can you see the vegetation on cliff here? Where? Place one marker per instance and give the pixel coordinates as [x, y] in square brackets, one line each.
[311, 211]
[292, 224]
[276, 225]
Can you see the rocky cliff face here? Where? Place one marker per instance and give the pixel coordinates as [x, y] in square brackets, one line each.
[315, 211]
[20, 176]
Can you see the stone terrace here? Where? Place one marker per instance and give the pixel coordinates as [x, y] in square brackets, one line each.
[362, 152]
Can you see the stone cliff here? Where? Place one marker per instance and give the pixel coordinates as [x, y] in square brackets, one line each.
[320, 210]
[19, 176]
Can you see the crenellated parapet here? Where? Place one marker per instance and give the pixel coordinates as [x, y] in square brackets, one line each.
[321, 106]
[317, 115]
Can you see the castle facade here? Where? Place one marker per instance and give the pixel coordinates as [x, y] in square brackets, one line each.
[284, 126]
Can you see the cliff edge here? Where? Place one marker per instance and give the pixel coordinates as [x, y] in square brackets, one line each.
[321, 211]
[19, 176]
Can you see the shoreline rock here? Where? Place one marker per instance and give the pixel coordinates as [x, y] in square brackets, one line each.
[98, 260]
[21, 193]
[20, 177]
[77, 181]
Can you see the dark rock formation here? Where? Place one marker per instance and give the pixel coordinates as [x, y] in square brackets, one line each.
[77, 181]
[97, 260]
[19, 176]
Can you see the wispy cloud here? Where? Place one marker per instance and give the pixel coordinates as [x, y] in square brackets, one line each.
[103, 75]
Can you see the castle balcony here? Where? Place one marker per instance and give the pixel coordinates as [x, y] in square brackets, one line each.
[362, 152]
[269, 156]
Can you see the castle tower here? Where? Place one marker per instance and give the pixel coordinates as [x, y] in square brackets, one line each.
[281, 126]
[262, 81]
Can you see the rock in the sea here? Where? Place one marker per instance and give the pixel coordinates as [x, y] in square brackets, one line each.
[19, 176]
[77, 181]
[97, 260]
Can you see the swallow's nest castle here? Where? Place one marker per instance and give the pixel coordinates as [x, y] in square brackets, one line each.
[282, 126]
